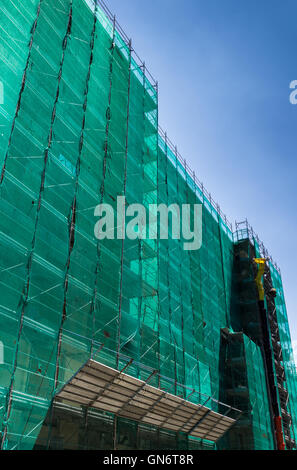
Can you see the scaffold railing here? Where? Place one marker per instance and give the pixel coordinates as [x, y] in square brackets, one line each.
[244, 230]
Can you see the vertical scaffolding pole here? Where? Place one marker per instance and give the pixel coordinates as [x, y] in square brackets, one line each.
[102, 185]
[124, 193]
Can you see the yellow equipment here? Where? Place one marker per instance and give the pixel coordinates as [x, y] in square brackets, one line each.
[261, 268]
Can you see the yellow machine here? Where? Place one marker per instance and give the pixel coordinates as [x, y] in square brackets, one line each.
[261, 268]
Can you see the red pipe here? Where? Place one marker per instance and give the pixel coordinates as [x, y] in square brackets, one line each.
[279, 433]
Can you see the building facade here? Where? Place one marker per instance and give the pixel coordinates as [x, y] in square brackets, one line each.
[79, 127]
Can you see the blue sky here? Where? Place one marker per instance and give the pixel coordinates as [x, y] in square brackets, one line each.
[224, 69]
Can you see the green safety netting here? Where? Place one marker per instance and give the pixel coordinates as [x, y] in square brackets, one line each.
[285, 337]
[79, 127]
[259, 407]
[245, 387]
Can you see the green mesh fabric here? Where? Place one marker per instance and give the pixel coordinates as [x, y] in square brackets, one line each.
[259, 406]
[285, 337]
[79, 127]
[245, 388]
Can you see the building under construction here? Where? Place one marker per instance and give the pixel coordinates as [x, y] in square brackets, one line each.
[120, 343]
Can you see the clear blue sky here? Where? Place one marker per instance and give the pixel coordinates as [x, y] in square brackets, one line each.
[224, 69]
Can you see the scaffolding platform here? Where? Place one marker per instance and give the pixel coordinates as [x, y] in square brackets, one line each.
[98, 386]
